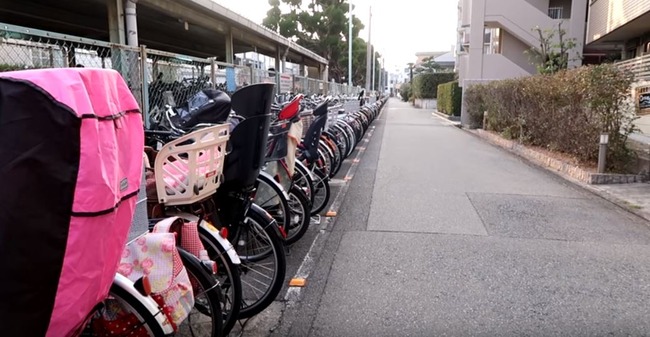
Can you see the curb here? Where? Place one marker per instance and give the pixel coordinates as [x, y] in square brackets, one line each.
[592, 188]
[294, 294]
[622, 203]
[455, 119]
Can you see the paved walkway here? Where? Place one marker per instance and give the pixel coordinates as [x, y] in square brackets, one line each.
[442, 234]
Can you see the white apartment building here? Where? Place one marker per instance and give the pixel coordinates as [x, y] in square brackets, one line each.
[493, 36]
[620, 29]
[605, 30]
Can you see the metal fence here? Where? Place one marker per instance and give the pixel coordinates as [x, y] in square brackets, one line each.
[155, 77]
[639, 67]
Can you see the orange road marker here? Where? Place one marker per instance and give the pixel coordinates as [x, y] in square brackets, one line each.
[297, 282]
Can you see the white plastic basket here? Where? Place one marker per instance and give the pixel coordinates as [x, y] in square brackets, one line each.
[190, 168]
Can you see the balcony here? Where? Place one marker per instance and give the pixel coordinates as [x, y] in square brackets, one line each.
[639, 66]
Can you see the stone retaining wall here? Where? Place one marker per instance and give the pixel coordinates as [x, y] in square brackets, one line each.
[557, 165]
[425, 103]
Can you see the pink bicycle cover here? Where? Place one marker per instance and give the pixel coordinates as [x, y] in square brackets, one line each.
[71, 143]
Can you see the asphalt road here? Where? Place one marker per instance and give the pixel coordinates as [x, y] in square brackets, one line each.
[439, 233]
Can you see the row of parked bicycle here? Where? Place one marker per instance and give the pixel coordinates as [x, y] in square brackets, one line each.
[229, 182]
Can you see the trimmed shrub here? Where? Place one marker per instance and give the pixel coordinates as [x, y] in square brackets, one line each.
[564, 112]
[406, 92]
[425, 86]
[450, 98]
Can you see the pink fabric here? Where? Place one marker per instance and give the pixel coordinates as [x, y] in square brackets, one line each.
[190, 240]
[110, 169]
[178, 170]
[90, 265]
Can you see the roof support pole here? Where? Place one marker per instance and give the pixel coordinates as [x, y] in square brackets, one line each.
[230, 50]
[131, 23]
[116, 21]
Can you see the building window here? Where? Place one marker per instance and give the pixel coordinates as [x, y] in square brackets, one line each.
[463, 41]
[492, 41]
[556, 12]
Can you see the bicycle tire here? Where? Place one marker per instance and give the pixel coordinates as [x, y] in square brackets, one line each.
[211, 289]
[336, 160]
[272, 192]
[321, 192]
[259, 219]
[298, 198]
[229, 280]
[302, 179]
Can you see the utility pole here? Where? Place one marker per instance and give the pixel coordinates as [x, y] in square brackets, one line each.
[374, 70]
[369, 51]
[380, 85]
[381, 79]
[350, 47]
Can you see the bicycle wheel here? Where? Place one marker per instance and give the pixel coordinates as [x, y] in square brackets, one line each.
[300, 211]
[341, 142]
[228, 277]
[205, 319]
[350, 137]
[261, 250]
[337, 159]
[133, 315]
[325, 159]
[302, 179]
[270, 196]
[321, 192]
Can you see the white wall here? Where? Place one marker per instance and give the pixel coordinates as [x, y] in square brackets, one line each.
[607, 15]
[515, 50]
[542, 5]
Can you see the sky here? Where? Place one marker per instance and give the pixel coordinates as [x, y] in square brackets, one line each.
[399, 28]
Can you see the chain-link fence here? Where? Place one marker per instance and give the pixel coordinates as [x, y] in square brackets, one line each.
[155, 77]
[343, 89]
[173, 79]
[22, 48]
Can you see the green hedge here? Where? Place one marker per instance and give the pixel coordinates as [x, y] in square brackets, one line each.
[405, 91]
[425, 86]
[564, 112]
[450, 98]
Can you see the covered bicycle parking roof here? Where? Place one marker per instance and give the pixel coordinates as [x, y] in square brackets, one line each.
[200, 28]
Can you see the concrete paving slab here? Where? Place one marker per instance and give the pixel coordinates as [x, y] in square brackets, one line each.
[559, 219]
[389, 284]
[450, 214]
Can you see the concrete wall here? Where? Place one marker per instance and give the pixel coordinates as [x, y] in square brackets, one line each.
[515, 50]
[541, 5]
[425, 103]
[498, 67]
[607, 15]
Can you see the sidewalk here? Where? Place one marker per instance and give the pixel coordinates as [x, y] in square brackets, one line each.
[634, 197]
[443, 234]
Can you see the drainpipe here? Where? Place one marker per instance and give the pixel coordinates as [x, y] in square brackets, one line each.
[131, 23]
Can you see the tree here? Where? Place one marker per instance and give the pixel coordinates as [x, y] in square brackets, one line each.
[323, 28]
[359, 52]
[552, 55]
[427, 66]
